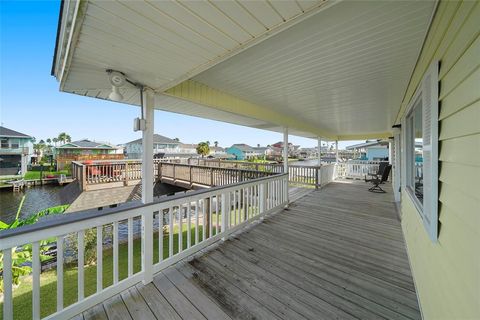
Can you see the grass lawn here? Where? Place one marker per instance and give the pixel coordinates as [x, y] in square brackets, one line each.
[22, 302]
[35, 175]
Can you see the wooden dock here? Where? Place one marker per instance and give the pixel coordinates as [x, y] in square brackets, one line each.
[336, 253]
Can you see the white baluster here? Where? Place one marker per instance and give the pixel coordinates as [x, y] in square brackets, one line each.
[7, 285]
[36, 270]
[99, 258]
[130, 246]
[59, 273]
[80, 260]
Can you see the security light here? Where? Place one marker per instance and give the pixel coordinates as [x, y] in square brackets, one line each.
[117, 80]
[115, 95]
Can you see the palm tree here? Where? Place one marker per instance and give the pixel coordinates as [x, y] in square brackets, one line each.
[68, 138]
[62, 137]
[55, 140]
[49, 141]
[207, 142]
[203, 149]
[215, 143]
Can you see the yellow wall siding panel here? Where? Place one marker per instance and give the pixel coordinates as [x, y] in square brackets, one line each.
[447, 273]
[463, 150]
[462, 69]
[465, 9]
[469, 32]
[465, 178]
[445, 12]
[447, 291]
[466, 207]
[462, 123]
[465, 94]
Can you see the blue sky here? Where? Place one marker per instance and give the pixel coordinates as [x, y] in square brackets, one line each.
[30, 101]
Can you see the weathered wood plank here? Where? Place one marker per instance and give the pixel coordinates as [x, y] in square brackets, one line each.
[95, 313]
[179, 302]
[157, 303]
[137, 307]
[115, 308]
[236, 303]
[198, 298]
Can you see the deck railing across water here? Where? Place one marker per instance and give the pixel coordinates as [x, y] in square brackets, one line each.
[208, 176]
[170, 230]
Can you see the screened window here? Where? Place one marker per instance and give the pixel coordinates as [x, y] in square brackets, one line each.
[4, 144]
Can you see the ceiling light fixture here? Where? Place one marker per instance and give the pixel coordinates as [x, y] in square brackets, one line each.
[117, 79]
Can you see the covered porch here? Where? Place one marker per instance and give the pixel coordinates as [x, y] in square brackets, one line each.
[329, 255]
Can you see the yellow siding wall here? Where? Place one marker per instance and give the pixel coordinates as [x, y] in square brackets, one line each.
[447, 273]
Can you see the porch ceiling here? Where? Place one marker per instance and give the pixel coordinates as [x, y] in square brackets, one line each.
[336, 71]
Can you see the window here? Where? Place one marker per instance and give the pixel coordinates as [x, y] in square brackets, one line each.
[4, 144]
[414, 147]
[420, 151]
[14, 144]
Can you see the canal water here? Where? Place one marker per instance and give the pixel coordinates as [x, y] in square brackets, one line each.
[37, 199]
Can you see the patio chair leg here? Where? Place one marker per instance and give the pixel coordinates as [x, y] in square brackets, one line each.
[377, 189]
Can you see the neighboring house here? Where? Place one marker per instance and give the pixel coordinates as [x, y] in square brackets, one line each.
[83, 150]
[292, 149]
[370, 150]
[241, 151]
[15, 151]
[218, 153]
[161, 145]
[183, 151]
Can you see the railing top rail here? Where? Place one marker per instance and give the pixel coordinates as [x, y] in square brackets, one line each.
[93, 214]
[214, 167]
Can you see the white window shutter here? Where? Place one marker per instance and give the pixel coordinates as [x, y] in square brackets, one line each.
[403, 154]
[430, 150]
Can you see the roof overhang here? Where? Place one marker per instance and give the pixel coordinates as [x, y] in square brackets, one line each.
[336, 70]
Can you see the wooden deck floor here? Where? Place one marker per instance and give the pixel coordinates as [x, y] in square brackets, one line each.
[337, 253]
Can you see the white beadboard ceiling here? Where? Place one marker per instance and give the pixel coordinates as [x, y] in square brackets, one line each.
[344, 70]
[342, 67]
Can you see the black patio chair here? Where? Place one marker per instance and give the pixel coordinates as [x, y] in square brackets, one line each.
[378, 179]
[381, 168]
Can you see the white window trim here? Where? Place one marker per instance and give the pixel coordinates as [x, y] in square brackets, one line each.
[427, 91]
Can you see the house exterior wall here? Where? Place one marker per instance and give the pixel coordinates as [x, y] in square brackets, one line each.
[377, 153]
[134, 150]
[447, 273]
[16, 153]
[239, 155]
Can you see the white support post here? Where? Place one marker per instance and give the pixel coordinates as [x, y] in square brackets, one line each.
[319, 149]
[147, 146]
[285, 158]
[336, 151]
[390, 151]
[147, 245]
[285, 150]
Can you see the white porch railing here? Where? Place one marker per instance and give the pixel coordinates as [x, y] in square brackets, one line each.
[202, 217]
[356, 169]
